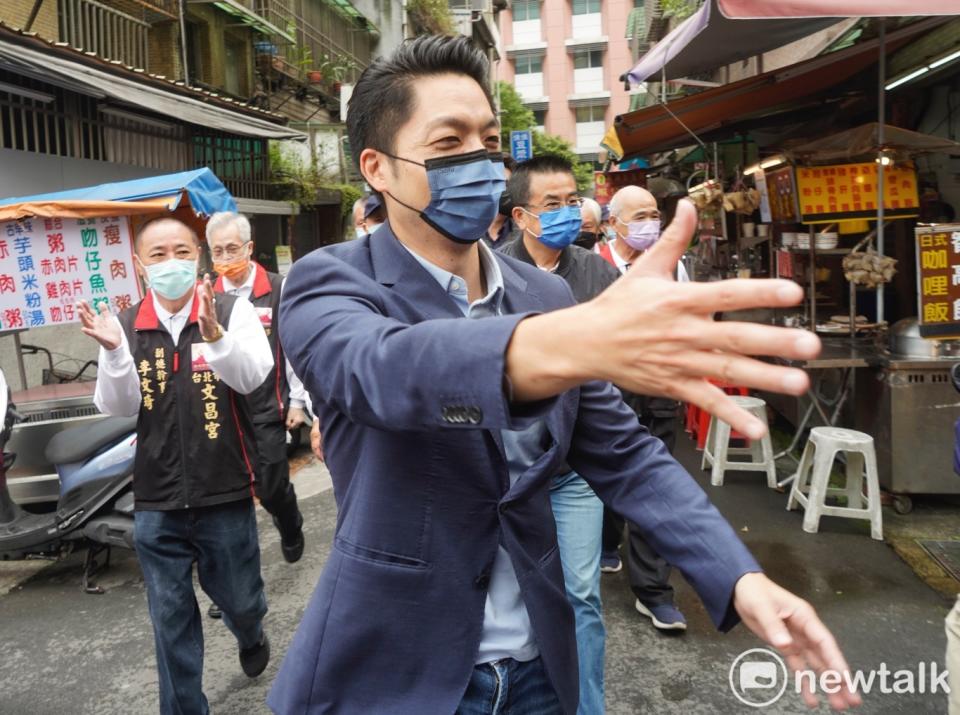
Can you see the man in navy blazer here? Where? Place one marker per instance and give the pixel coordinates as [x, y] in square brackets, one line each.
[452, 384]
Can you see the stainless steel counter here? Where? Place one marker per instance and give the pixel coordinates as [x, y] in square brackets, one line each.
[909, 406]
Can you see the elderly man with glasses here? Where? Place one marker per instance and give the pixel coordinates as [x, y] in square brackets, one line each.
[278, 404]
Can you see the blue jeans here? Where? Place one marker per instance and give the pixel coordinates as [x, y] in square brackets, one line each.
[509, 687]
[579, 516]
[222, 541]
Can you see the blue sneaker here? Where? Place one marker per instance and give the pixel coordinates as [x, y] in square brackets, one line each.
[610, 562]
[665, 617]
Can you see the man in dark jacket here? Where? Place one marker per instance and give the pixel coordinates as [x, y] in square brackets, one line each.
[546, 210]
[277, 405]
[182, 363]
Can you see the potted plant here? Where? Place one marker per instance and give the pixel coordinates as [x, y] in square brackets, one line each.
[339, 71]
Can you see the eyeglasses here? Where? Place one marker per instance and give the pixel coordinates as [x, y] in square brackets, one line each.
[230, 251]
[574, 203]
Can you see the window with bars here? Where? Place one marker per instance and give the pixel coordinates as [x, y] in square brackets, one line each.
[526, 10]
[45, 119]
[588, 59]
[586, 7]
[529, 64]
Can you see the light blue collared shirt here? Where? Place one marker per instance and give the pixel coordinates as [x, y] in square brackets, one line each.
[507, 632]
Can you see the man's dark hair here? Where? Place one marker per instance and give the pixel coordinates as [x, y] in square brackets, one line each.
[509, 163]
[519, 184]
[382, 100]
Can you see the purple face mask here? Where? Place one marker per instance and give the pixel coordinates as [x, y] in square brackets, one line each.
[642, 234]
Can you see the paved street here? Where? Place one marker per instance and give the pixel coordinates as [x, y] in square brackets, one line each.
[66, 652]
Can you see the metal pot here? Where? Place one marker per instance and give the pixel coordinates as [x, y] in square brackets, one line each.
[905, 341]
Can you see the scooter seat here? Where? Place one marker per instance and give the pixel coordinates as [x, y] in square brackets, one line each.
[77, 443]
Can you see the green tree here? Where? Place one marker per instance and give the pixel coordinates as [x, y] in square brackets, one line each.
[514, 115]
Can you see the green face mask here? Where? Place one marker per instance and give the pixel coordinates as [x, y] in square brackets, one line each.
[172, 278]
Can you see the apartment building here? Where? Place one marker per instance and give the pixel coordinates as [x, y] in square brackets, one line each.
[565, 58]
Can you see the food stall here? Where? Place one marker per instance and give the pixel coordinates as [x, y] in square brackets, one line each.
[891, 382]
[56, 249]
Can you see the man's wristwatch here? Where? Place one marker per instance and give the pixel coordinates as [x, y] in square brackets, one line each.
[216, 337]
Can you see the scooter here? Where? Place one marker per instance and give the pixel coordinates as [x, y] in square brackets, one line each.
[95, 505]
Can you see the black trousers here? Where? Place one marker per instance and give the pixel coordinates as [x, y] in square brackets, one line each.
[648, 572]
[272, 484]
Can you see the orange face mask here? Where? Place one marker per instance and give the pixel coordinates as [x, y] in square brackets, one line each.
[234, 271]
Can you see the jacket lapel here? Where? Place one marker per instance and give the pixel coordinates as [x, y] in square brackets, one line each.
[394, 266]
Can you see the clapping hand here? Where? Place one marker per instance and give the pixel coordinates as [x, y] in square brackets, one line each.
[207, 314]
[100, 325]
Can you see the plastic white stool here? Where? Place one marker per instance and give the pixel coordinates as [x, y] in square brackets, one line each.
[812, 484]
[717, 449]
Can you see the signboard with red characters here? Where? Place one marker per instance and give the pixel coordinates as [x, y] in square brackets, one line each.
[48, 264]
[849, 191]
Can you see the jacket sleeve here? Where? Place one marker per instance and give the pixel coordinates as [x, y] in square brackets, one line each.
[388, 374]
[634, 474]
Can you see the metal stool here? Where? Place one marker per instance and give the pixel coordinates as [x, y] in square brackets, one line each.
[717, 449]
[818, 457]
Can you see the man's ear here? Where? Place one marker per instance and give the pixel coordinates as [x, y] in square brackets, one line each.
[519, 217]
[373, 167]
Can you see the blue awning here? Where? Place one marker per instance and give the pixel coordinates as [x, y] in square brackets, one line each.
[205, 192]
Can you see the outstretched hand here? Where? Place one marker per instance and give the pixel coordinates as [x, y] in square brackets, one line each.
[789, 624]
[99, 325]
[653, 336]
[665, 341]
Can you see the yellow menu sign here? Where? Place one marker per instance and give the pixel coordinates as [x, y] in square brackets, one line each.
[849, 191]
[938, 280]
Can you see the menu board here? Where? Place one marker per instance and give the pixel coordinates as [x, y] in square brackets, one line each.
[938, 280]
[48, 264]
[849, 191]
[782, 193]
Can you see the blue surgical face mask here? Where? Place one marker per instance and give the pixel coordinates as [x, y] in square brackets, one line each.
[361, 232]
[465, 193]
[559, 228]
[172, 278]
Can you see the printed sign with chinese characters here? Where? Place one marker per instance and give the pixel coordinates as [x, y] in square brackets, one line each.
[607, 183]
[938, 280]
[849, 191]
[48, 264]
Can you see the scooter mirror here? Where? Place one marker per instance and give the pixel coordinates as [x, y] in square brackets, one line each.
[955, 376]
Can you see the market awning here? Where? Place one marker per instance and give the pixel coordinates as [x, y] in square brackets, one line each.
[755, 9]
[50, 67]
[865, 140]
[659, 127]
[203, 191]
[707, 40]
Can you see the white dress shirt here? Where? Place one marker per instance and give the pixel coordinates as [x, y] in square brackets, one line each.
[241, 358]
[298, 394]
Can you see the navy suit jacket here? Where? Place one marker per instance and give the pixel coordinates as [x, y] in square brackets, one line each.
[411, 398]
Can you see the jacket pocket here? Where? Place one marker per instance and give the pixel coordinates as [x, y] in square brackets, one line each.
[377, 556]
